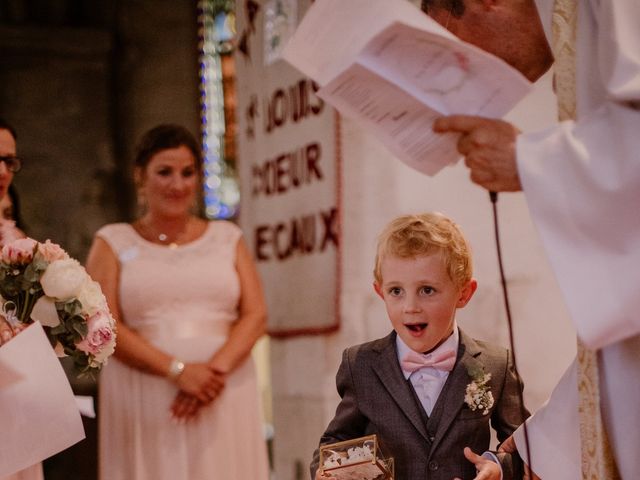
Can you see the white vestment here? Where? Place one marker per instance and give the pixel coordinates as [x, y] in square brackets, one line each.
[582, 184]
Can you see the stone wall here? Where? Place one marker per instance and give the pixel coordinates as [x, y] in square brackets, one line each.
[81, 81]
[54, 88]
[81, 88]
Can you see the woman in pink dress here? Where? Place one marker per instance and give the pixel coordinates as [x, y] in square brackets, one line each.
[180, 398]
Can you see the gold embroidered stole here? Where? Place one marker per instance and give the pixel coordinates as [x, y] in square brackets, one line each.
[597, 459]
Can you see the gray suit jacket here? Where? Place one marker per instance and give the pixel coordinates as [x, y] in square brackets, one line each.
[376, 398]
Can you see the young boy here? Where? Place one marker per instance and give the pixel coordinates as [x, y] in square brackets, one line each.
[428, 390]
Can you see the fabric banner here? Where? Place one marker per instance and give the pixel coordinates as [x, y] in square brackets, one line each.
[288, 162]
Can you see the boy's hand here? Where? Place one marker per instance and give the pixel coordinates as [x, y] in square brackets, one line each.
[486, 469]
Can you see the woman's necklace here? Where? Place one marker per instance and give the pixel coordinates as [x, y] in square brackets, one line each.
[164, 238]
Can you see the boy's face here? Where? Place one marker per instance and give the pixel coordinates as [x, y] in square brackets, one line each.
[421, 299]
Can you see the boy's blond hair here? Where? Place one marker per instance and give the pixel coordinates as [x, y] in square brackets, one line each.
[411, 236]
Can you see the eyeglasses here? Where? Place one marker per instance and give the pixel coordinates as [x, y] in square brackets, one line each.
[14, 164]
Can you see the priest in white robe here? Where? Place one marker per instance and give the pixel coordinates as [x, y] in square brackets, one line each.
[581, 180]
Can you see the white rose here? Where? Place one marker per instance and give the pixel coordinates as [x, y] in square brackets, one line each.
[63, 279]
[91, 297]
[44, 311]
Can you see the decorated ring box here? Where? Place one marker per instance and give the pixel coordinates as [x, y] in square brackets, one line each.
[357, 459]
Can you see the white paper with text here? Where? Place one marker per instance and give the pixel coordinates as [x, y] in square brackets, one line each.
[407, 71]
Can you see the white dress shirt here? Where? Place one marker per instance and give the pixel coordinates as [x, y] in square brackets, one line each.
[428, 381]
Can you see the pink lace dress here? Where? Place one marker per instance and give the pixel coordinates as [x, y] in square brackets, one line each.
[183, 300]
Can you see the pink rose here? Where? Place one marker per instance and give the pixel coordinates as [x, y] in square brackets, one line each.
[52, 251]
[107, 350]
[100, 333]
[19, 251]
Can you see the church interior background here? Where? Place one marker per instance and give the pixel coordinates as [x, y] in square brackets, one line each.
[81, 80]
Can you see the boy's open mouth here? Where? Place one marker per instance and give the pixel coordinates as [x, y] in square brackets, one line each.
[416, 327]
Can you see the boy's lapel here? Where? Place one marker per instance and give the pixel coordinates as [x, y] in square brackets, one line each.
[389, 371]
[451, 399]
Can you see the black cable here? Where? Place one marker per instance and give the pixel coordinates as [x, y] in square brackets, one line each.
[493, 196]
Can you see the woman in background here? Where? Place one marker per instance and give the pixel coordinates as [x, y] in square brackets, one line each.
[10, 228]
[9, 165]
[180, 399]
[10, 208]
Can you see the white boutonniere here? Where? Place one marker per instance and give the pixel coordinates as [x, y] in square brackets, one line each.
[478, 395]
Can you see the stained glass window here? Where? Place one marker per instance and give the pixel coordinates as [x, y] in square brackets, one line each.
[217, 99]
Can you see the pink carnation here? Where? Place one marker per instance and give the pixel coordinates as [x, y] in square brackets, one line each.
[100, 333]
[19, 251]
[52, 251]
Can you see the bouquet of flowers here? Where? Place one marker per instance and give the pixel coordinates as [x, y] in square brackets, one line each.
[39, 281]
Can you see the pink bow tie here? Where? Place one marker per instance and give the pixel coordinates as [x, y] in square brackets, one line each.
[444, 360]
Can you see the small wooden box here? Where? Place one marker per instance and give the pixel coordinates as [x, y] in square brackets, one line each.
[357, 459]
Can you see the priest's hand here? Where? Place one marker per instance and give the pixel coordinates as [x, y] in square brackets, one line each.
[485, 469]
[489, 149]
[509, 446]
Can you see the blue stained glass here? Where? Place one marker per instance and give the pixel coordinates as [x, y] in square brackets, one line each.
[220, 189]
